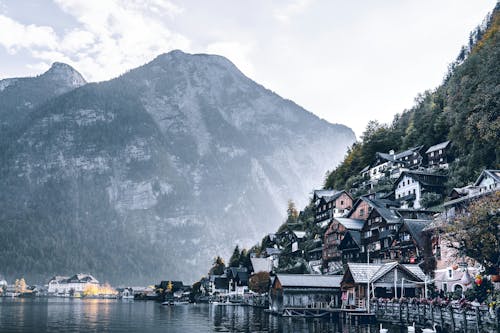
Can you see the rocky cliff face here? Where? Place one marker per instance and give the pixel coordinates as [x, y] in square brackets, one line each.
[149, 175]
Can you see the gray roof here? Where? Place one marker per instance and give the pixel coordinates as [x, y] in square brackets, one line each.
[324, 193]
[355, 236]
[441, 145]
[362, 273]
[300, 234]
[416, 270]
[351, 224]
[394, 157]
[416, 228]
[309, 280]
[495, 174]
[387, 214]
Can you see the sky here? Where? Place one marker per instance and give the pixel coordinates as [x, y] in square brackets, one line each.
[346, 61]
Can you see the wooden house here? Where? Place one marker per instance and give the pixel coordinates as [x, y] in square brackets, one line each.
[350, 247]
[335, 204]
[411, 244]
[438, 156]
[379, 231]
[295, 292]
[387, 280]
[411, 185]
[390, 165]
[332, 255]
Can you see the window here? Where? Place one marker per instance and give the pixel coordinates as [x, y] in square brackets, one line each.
[432, 154]
[440, 152]
[445, 287]
[414, 191]
[361, 212]
[341, 202]
[415, 161]
[450, 274]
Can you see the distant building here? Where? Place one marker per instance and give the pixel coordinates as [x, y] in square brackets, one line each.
[62, 285]
[390, 165]
[438, 156]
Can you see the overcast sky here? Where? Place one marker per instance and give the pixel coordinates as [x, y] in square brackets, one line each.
[346, 61]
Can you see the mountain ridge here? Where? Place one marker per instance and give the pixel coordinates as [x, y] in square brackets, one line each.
[179, 158]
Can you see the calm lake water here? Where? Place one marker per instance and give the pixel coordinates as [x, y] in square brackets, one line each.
[75, 315]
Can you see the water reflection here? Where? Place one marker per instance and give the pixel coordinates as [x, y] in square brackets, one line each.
[93, 315]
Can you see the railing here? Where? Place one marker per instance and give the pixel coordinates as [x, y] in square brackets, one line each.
[450, 318]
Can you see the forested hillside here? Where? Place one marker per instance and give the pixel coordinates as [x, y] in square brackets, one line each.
[464, 109]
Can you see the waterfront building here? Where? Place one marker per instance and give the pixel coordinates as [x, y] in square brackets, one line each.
[304, 291]
[62, 285]
[387, 280]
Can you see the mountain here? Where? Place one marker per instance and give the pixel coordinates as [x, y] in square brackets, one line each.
[149, 175]
[20, 96]
[464, 110]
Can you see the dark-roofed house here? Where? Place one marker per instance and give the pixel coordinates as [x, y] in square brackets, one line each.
[411, 244]
[332, 255]
[336, 204]
[379, 231]
[350, 247]
[291, 292]
[390, 165]
[387, 280]
[438, 156]
[411, 185]
[238, 279]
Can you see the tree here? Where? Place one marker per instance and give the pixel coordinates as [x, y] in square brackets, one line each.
[245, 260]
[170, 286]
[234, 261]
[291, 212]
[218, 266]
[20, 285]
[477, 233]
[259, 282]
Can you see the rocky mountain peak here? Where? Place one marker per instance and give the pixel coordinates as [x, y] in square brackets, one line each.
[65, 74]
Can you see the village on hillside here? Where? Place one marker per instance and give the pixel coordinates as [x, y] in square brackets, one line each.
[395, 238]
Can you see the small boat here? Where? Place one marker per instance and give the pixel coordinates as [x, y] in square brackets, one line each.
[167, 303]
[181, 303]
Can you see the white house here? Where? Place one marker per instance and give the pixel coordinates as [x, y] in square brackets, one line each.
[62, 285]
[411, 185]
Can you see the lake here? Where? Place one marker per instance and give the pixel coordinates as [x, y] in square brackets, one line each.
[94, 315]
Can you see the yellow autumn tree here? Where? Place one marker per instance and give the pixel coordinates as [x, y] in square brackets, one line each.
[90, 290]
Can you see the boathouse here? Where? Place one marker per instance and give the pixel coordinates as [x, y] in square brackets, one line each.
[389, 280]
[295, 293]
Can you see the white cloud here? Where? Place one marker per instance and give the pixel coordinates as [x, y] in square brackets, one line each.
[296, 7]
[112, 37]
[16, 36]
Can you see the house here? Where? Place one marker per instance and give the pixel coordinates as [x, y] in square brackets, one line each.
[390, 165]
[438, 156]
[350, 247]
[387, 280]
[455, 278]
[379, 230]
[304, 291]
[332, 255]
[63, 285]
[460, 198]
[238, 279]
[3, 283]
[412, 185]
[336, 204]
[219, 284]
[411, 244]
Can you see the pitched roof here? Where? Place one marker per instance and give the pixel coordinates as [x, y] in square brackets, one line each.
[441, 145]
[398, 156]
[495, 174]
[324, 193]
[300, 234]
[309, 280]
[387, 214]
[364, 273]
[425, 178]
[351, 224]
[354, 235]
[416, 228]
